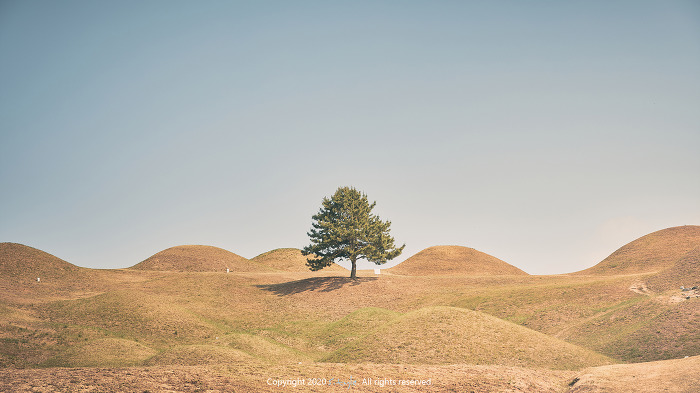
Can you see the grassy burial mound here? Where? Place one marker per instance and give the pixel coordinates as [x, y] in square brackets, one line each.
[289, 260]
[198, 259]
[650, 253]
[28, 275]
[20, 262]
[449, 335]
[439, 260]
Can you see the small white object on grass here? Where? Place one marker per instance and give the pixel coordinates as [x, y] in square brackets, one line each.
[377, 271]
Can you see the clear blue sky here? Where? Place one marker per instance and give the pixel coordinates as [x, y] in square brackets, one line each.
[545, 133]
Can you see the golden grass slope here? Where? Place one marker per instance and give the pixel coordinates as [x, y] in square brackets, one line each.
[673, 376]
[264, 349]
[650, 253]
[31, 275]
[20, 262]
[197, 258]
[356, 324]
[443, 260]
[685, 272]
[677, 375]
[105, 352]
[449, 335]
[191, 330]
[200, 354]
[641, 329]
[150, 318]
[289, 260]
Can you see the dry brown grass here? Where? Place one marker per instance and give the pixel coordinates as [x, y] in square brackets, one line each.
[199, 355]
[685, 272]
[236, 330]
[448, 335]
[104, 352]
[650, 253]
[448, 260]
[673, 376]
[198, 259]
[314, 377]
[22, 262]
[290, 260]
[21, 266]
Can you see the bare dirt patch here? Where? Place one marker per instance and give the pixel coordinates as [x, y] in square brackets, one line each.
[641, 288]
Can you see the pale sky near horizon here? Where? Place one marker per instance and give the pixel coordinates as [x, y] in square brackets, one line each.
[547, 134]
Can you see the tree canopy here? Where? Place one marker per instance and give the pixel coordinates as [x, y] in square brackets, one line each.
[345, 228]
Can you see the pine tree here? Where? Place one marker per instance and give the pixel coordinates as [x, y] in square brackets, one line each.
[345, 228]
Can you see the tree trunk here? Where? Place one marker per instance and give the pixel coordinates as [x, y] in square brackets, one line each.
[353, 272]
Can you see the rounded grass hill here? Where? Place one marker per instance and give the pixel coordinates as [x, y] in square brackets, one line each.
[650, 253]
[443, 260]
[449, 335]
[196, 258]
[289, 260]
[21, 262]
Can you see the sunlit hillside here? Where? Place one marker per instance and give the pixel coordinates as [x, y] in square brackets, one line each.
[454, 260]
[452, 315]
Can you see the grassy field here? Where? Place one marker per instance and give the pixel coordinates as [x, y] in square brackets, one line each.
[179, 321]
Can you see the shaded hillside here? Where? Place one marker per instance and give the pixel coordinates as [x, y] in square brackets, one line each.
[289, 260]
[439, 260]
[20, 262]
[449, 335]
[650, 253]
[198, 259]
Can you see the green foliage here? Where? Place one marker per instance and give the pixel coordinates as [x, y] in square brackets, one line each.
[345, 228]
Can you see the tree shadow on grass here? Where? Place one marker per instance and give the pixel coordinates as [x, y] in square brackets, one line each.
[319, 284]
